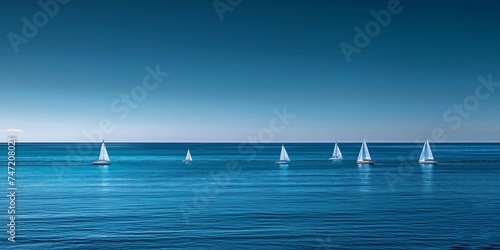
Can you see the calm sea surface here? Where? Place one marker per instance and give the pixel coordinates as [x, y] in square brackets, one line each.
[234, 197]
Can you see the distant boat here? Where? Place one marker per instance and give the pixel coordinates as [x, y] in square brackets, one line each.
[364, 155]
[336, 155]
[103, 157]
[284, 159]
[426, 156]
[188, 159]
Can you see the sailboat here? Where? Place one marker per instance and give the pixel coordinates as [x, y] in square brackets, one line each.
[364, 155]
[426, 156]
[188, 159]
[284, 159]
[103, 157]
[336, 155]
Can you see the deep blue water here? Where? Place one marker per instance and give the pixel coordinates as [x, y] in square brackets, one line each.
[234, 197]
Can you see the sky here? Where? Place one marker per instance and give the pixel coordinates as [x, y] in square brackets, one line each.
[231, 69]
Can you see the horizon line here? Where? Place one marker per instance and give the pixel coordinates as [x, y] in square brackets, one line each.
[253, 142]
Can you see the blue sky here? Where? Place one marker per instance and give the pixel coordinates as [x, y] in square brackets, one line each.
[226, 77]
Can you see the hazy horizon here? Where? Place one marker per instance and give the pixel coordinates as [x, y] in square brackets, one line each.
[247, 142]
[430, 71]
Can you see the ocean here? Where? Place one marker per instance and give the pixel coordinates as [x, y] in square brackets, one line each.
[233, 196]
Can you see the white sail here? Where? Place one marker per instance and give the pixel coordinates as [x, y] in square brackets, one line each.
[188, 157]
[336, 152]
[284, 154]
[364, 154]
[430, 156]
[361, 153]
[426, 154]
[366, 151]
[103, 156]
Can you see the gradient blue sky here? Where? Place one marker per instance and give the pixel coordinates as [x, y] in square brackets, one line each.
[226, 77]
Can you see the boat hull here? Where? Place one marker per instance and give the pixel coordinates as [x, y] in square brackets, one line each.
[427, 162]
[282, 162]
[187, 162]
[365, 162]
[335, 159]
[101, 163]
